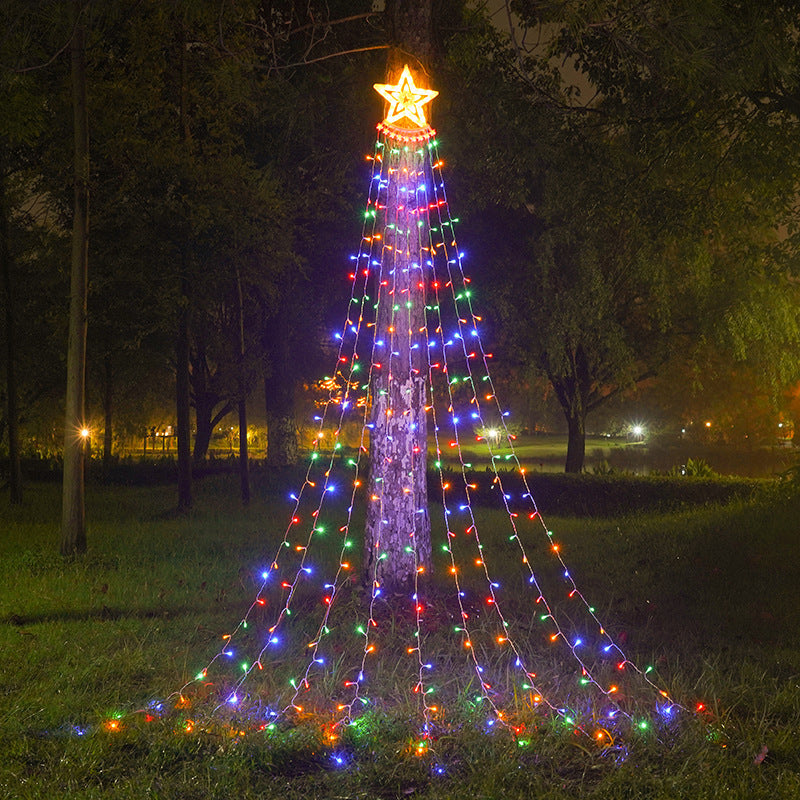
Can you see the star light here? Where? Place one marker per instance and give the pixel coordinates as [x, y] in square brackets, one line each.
[405, 99]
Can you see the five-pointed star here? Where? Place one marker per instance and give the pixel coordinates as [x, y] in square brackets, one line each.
[405, 99]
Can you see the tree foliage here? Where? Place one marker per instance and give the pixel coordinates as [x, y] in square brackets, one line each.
[646, 191]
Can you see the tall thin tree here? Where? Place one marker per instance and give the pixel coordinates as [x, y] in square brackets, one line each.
[15, 473]
[244, 461]
[73, 519]
[182, 389]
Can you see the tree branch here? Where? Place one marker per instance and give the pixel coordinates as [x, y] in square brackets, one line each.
[330, 55]
[62, 49]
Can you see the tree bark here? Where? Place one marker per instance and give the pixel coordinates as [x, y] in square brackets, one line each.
[206, 420]
[108, 410]
[572, 392]
[279, 395]
[183, 423]
[244, 463]
[410, 26]
[15, 472]
[205, 399]
[576, 440]
[73, 513]
[397, 543]
[182, 399]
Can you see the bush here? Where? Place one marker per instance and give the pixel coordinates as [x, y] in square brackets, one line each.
[694, 468]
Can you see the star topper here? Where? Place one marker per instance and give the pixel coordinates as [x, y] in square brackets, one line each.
[405, 99]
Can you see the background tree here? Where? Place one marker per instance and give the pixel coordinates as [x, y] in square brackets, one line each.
[73, 512]
[645, 212]
[315, 121]
[192, 197]
[27, 49]
[18, 127]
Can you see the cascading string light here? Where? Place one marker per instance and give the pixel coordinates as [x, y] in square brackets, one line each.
[415, 262]
[492, 585]
[399, 226]
[377, 265]
[402, 226]
[368, 236]
[463, 627]
[505, 637]
[333, 588]
[587, 677]
[329, 600]
[423, 667]
[452, 259]
[384, 275]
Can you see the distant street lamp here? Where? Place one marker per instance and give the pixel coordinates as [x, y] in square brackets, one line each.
[637, 432]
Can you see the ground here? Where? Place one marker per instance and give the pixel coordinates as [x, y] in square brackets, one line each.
[708, 594]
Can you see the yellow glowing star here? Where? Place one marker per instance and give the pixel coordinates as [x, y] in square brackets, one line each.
[405, 99]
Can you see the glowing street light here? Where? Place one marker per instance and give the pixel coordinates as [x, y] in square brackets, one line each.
[637, 432]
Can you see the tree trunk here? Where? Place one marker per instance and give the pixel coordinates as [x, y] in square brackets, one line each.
[244, 463]
[205, 428]
[279, 396]
[282, 446]
[573, 391]
[15, 472]
[108, 409]
[576, 441]
[397, 543]
[182, 400]
[573, 405]
[410, 25]
[206, 399]
[73, 513]
[183, 423]
[206, 420]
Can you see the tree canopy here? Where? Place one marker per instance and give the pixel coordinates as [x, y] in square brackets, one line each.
[646, 188]
[625, 173]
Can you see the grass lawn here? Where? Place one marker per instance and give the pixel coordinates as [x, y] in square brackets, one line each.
[710, 597]
[543, 452]
[547, 453]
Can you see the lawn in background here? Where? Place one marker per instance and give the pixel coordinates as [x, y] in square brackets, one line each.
[547, 453]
